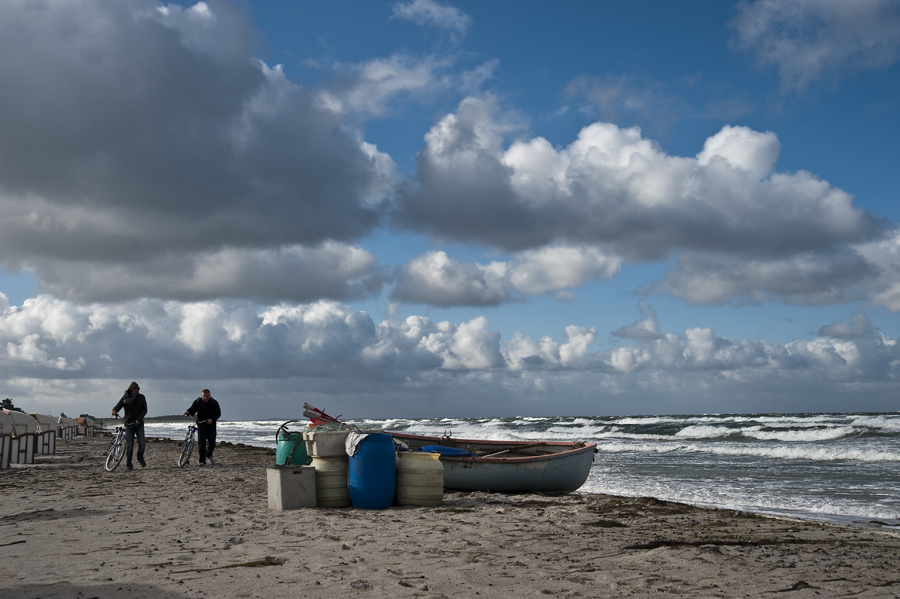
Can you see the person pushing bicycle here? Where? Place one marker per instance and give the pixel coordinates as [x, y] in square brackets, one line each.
[207, 412]
[135, 405]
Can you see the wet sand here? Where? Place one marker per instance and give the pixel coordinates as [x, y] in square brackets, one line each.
[70, 529]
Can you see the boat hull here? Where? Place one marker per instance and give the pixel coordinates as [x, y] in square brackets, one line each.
[555, 467]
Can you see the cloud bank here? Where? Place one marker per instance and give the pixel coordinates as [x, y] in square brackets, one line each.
[141, 137]
[49, 342]
[181, 167]
[192, 213]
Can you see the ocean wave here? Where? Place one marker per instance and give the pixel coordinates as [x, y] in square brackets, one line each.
[816, 453]
[705, 432]
[801, 435]
[887, 423]
[737, 498]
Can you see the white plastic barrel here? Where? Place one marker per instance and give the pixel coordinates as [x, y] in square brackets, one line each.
[420, 478]
[332, 489]
[325, 444]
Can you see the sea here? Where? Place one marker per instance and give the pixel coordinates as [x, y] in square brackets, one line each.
[842, 468]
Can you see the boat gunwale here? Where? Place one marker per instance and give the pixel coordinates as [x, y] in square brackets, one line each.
[570, 451]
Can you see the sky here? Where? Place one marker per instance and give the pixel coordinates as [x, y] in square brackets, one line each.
[424, 208]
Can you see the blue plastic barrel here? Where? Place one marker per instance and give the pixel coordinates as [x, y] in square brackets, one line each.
[373, 473]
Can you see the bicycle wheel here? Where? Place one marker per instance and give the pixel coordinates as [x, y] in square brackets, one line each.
[116, 452]
[186, 450]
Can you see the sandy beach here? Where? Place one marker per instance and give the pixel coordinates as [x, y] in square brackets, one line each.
[70, 529]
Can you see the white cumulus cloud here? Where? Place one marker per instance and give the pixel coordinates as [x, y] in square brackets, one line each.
[437, 279]
[613, 187]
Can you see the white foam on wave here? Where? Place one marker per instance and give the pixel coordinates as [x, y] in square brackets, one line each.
[640, 447]
[642, 420]
[395, 423]
[807, 435]
[772, 420]
[801, 420]
[579, 434]
[731, 496]
[704, 432]
[388, 424]
[557, 434]
[819, 453]
[576, 424]
[630, 437]
[884, 422]
[811, 452]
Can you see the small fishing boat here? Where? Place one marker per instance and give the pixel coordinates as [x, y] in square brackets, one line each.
[507, 466]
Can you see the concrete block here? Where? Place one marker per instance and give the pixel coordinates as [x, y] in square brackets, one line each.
[291, 488]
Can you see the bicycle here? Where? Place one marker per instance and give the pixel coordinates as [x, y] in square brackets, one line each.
[116, 449]
[187, 445]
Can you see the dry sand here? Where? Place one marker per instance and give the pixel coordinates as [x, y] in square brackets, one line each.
[70, 529]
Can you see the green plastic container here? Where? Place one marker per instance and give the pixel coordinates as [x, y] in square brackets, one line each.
[291, 445]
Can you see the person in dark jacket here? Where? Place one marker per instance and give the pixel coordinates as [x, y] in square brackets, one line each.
[208, 412]
[135, 405]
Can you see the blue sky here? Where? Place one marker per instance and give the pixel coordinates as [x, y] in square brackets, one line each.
[422, 208]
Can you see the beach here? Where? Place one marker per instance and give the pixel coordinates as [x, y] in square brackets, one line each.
[68, 528]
